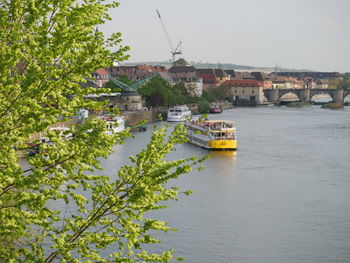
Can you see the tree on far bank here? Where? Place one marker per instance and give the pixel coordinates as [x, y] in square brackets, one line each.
[334, 83]
[155, 92]
[203, 106]
[208, 96]
[54, 206]
[220, 93]
[113, 87]
[345, 84]
[158, 92]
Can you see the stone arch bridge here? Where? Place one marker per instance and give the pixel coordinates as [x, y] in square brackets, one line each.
[304, 95]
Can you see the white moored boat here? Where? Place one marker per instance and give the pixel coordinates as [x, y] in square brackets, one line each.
[114, 124]
[212, 134]
[178, 113]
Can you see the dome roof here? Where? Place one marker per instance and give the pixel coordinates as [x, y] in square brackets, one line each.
[181, 62]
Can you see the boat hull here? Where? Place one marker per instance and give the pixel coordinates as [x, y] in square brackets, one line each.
[183, 117]
[215, 110]
[178, 113]
[216, 145]
[223, 145]
[213, 145]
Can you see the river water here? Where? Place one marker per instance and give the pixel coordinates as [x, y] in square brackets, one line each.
[284, 196]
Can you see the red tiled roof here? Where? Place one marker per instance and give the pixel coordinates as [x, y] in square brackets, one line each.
[151, 68]
[241, 83]
[101, 71]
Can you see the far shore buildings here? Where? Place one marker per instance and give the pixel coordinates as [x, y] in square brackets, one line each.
[184, 72]
[245, 86]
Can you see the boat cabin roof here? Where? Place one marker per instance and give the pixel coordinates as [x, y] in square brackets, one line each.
[215, 125]
[218, 122]
[179, 107]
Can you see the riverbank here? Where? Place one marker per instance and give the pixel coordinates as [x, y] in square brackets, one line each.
[299, 104]
[333, 105]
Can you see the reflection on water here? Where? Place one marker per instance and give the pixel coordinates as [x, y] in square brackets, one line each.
[223, 154]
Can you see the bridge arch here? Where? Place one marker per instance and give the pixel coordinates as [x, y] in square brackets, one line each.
[314, 92]
[321, 97]
[346, 95]
[347, 98]
[288, 94]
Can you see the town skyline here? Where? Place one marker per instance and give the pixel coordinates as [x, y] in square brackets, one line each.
[296, 35]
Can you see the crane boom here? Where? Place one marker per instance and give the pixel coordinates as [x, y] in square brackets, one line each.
[134, 86]
[177, 50]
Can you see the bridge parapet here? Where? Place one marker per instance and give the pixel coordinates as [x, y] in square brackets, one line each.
[304, 95]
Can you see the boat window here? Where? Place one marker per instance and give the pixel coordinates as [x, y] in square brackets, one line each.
[223, 135]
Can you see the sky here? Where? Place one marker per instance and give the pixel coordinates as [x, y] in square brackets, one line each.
[295, 34]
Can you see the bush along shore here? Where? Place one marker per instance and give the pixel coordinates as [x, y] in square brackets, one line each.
[298, 104]
[333, 105]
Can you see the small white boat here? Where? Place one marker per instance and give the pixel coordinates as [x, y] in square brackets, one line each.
[114, 124]
[178, 113]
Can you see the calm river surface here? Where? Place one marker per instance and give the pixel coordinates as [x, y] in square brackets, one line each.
[283, 197]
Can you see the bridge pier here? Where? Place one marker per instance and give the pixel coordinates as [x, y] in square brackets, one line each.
[304, 95]
[272, 95]
[338, 96]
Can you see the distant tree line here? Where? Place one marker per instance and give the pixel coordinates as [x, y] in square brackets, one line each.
[159, 93]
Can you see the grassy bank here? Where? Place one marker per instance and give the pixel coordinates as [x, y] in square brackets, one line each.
[298, 104]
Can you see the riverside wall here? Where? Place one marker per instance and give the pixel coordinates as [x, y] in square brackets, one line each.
[149, 116]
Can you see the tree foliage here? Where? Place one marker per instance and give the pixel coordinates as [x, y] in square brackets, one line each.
[345, 84]
[113, 87]
[334, 83]
[155, 92]
[203, 106]
[158, 92]
[209, 96]
[220, 93]
[47, 49]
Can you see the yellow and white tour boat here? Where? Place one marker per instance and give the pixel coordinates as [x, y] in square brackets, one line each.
[212, 134]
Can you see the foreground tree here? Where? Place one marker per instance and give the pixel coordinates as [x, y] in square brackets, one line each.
[47, 48]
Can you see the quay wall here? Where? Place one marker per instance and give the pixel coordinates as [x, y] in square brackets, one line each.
[148, 115]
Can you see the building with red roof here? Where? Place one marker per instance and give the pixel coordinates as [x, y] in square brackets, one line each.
[100, 77]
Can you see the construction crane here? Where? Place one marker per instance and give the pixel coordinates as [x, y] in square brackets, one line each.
[133, 87]
[177, 50]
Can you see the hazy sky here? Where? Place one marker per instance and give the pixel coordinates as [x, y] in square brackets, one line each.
[300, 34]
